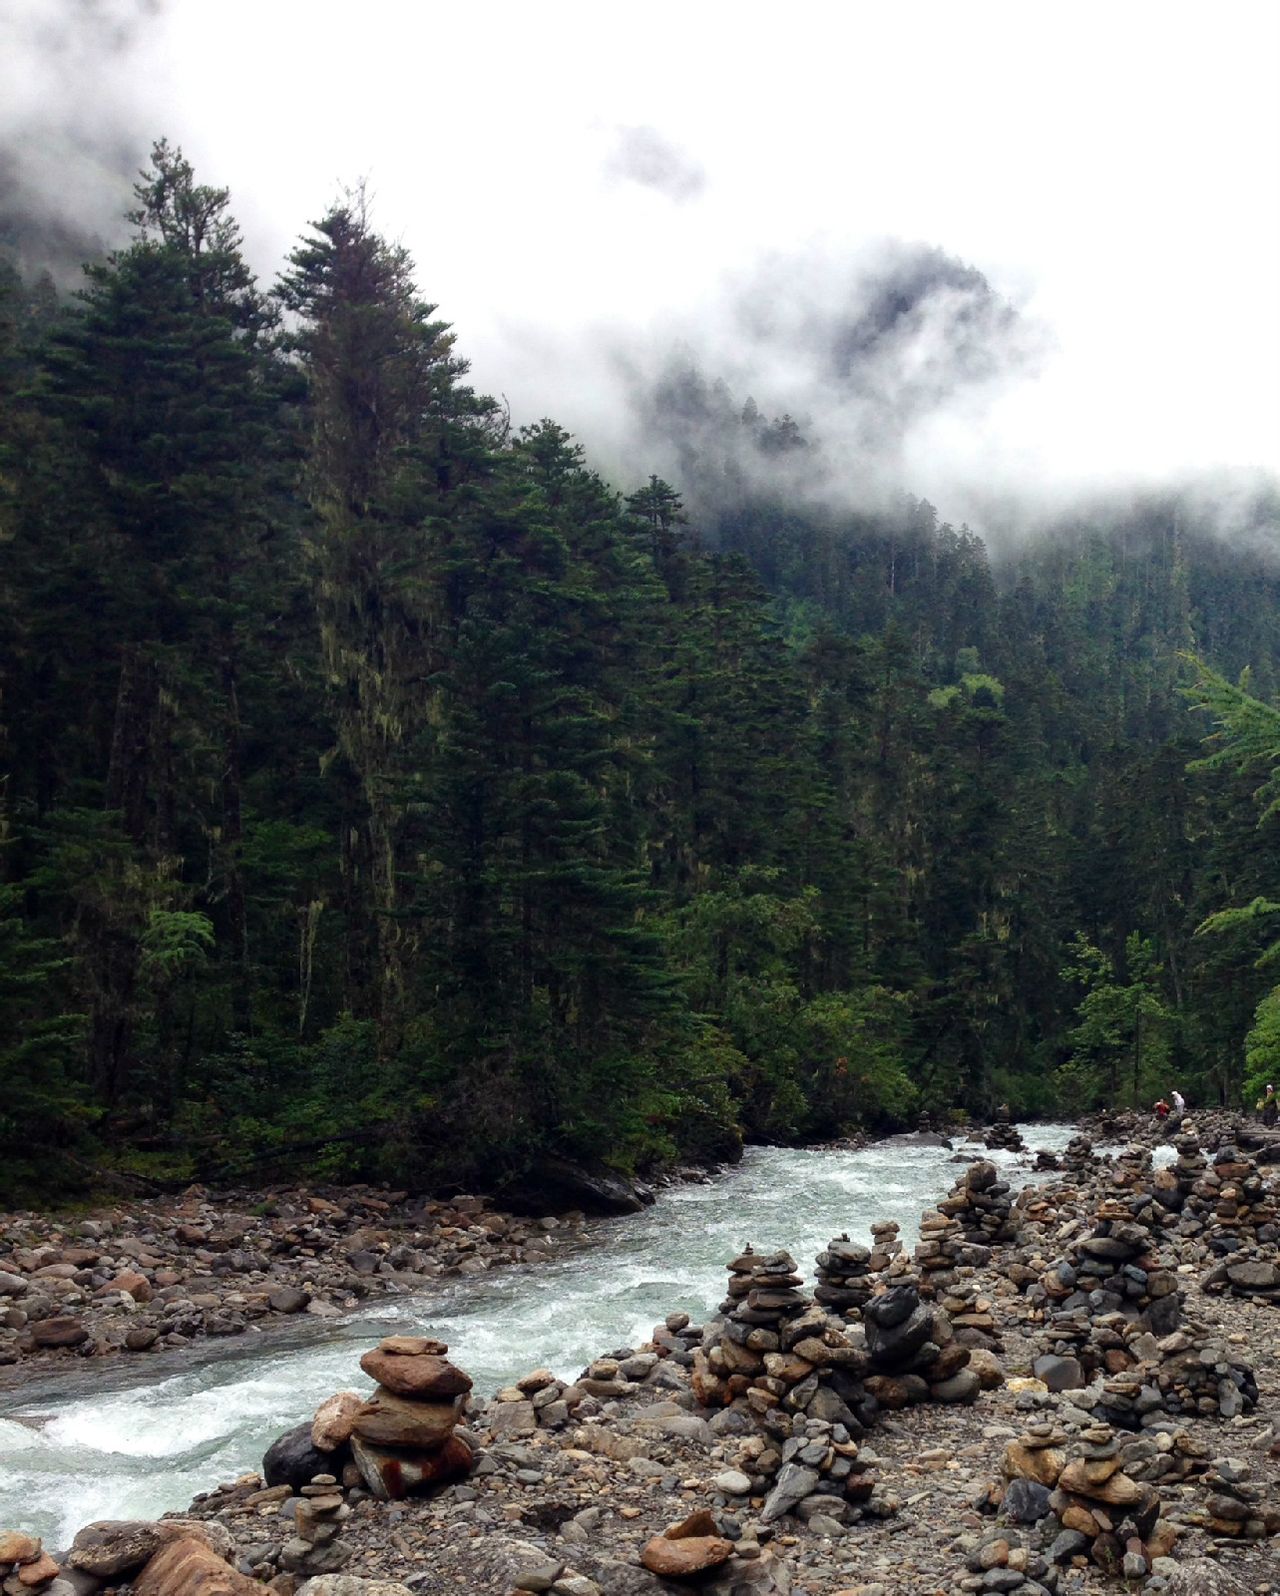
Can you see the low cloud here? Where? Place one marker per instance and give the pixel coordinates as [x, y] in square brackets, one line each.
[643, 156]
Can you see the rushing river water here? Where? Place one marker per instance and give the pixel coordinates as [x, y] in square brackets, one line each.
[145, 1438]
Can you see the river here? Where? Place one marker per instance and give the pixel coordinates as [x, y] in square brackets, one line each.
[143, 1437]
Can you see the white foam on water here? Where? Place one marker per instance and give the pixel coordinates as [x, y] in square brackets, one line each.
[148, 1447]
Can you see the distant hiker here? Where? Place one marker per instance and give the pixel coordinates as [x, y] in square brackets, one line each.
[1268, 1106]
[1179, 1102]
[1162, 1110]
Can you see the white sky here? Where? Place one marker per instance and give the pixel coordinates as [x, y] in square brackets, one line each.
[1112, 168]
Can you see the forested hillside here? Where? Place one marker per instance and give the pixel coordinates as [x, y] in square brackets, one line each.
[385, 789]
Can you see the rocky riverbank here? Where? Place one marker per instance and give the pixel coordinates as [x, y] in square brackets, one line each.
[154, 1275]
[1063, 1390]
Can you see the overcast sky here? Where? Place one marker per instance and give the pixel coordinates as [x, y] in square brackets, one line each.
[576, 180]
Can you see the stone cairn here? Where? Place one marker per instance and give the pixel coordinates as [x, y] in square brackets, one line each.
[1108, 1281]
[1235, 1507]
[1005, 1135]
[913, 1351]
[27, 1566]
[1103, 1513]
[314, 1547]
[1238, 1209]
[794, 1372]
[845, 1283]
[1079, 1156]
[405, 1438]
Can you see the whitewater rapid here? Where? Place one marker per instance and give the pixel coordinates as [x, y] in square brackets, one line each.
[144, 1438]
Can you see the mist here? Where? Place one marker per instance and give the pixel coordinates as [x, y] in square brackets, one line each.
[1003, 261]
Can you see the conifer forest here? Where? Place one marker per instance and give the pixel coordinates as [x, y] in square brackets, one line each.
[389, 792]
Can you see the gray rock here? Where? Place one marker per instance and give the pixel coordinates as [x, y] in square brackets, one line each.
[733, 1482]
[1025, 1501]
[1201, 1576]
[350, 1585]
[1059, 1374]
[794, 1483]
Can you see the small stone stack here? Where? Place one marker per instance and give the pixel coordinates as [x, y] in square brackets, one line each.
[1131, 1168]
[983, 1205]
[25, 1564]
[844, 1284]
[763, 1297]
[1235, 1507]
[404, 1438]
[886, 1248]
[1005, 1135]
[939, 1249]
[1238, 1210]
[914, 1354]
[1173, 1185]
[314, 1547]
[821, 1473]
[1197, 1375]
[1079, 1155]
[1104, 1513]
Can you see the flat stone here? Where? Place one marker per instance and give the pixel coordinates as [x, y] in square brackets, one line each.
[18, 1547]
[684, 1558]
[426, 1375]
[391, 1420]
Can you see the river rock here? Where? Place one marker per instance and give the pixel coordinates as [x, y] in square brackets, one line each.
[18, 1547]
[289, 1299]
[61, 1331]
[686, 1557]
[391, 1420]
[393, 1473]
[424, 1376]
[187, 1567]
[350, 1585]
[39, 1571]
[109, 1548]
[294, 1459]
[335, 1419]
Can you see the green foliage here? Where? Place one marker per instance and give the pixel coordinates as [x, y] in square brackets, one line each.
[1122, 1041]
[1262, 1047]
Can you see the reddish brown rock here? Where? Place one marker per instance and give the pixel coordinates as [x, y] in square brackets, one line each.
[702, 1522]
[131, 1283]
[412, 1346]
[391, 1420]
[63, 1331]
[685, 1558]
[18, 1547]
[38, 1572]
[395, 1472]
[187, 1567]
[426, 1375]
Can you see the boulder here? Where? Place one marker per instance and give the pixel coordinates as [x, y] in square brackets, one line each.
[39, 1572]
[289, 1299]
[61, 1331]
[109, 1548]
[393, 1473]
[391, 1420]
[294, 1459]
[18, 1547]
[187, 1567]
